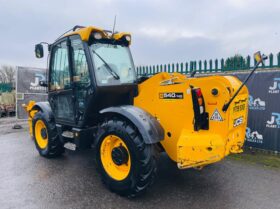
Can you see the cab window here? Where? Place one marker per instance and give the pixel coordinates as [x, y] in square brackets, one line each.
[81, 75]
[60, 73]
[113, 64]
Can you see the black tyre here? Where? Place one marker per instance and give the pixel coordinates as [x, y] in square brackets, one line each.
[127, 165]
[45, 136]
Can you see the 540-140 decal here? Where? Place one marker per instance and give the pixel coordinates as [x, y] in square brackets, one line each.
[171, 95]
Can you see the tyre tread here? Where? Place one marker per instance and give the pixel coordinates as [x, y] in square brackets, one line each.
[145, 152]
[55, 148]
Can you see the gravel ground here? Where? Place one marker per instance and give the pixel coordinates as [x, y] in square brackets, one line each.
[71, 181]
[7, 124]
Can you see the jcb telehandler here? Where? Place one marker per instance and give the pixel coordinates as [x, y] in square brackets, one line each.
[95, 100]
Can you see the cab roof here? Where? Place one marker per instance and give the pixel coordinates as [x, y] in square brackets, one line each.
[85, 33]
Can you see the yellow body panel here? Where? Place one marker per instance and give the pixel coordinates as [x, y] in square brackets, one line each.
[85, 33]
[31, 114]
[185, 146]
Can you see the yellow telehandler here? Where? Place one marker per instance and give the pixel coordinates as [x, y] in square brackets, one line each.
[95, 100]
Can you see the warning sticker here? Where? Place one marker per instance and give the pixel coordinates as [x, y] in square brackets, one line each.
[216, 116]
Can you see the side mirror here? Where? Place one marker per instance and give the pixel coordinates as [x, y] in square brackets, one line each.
[39, 51]
[43, 83]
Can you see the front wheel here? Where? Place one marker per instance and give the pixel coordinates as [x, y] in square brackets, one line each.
[127, 165]
[45, 136]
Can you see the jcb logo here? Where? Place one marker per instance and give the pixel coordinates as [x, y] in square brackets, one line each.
[35, 85]
[275, 88]
[274, 121]
[237, 121]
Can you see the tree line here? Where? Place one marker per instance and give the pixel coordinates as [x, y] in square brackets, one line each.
[7, 74]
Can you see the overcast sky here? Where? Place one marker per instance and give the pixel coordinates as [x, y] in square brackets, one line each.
[162, 31]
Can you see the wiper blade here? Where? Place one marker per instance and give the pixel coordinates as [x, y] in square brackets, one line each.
[110, 70]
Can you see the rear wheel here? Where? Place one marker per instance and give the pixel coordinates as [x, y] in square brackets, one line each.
[127, 165]
[45, 136]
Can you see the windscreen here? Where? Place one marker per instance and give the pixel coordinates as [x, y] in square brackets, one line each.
[113, 64]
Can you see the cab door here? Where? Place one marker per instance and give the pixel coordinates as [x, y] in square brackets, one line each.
[61, 92]
[81, 78]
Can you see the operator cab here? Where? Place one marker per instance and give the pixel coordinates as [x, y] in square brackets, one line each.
[89, 69]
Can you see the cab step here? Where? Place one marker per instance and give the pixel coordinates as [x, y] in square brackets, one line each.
[68, 134]
[70, 146]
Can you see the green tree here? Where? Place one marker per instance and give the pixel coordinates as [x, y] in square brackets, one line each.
[235, 62]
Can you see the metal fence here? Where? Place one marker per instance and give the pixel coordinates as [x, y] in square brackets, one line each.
[6, 87]
[234, 63]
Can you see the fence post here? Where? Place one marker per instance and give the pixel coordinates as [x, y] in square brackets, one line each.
[216, 65]
[263, 64]
[191, 66]
[222, 65]
[140, 70]
[199, 65]
[271, 60]
[205, 66]
[248, 62]
[226, 66]
[210, 65]
[278, 59]
[173, 67]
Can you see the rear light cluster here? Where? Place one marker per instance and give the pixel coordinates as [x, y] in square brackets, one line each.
[201, 120]
[200, 100]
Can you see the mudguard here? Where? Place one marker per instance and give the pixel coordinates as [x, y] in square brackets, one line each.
[45, 108]
[150, 129]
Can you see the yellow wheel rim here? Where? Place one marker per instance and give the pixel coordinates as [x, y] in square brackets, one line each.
[41, 135]
[115, 168]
